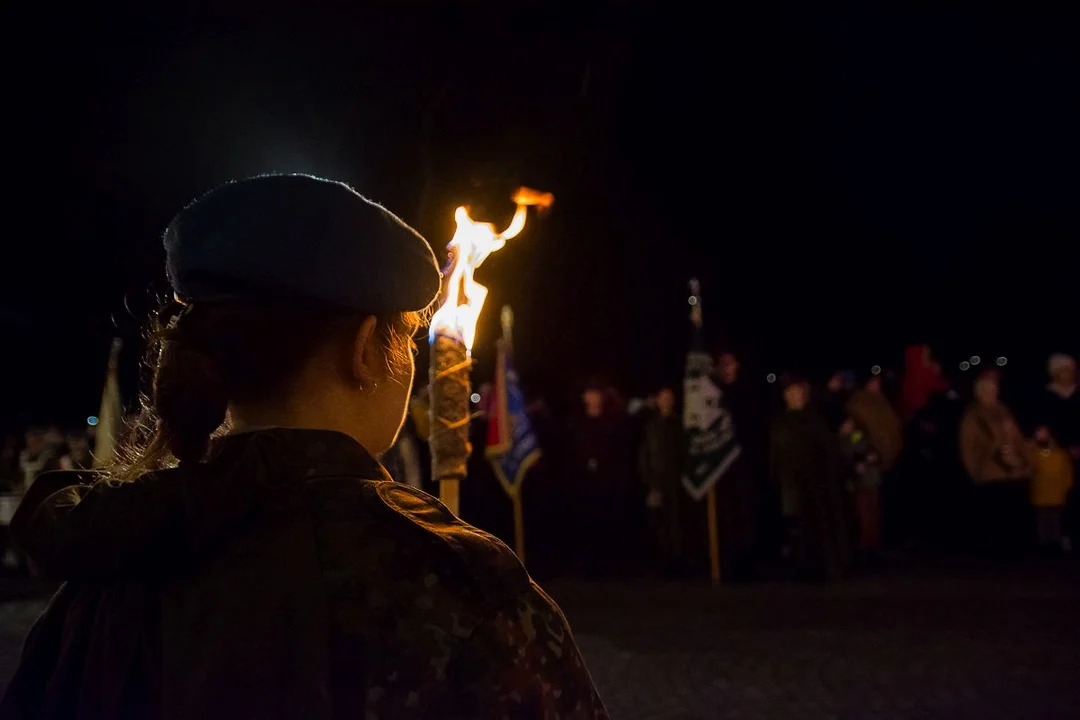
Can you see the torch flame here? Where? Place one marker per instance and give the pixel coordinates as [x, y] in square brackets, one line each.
[472, 242]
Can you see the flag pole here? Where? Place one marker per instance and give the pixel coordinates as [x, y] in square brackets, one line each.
[519, 527]
[714, 536]
[697, 320]
[506, 318]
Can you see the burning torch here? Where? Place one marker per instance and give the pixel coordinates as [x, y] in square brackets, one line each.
[453, 329]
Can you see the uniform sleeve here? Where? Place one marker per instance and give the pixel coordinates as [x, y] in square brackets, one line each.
[74, 529]
[524, 663]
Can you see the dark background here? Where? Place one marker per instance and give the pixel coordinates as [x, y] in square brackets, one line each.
[843, 183]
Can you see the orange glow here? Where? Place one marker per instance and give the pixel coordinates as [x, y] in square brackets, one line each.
[473, 241]
[528, 196]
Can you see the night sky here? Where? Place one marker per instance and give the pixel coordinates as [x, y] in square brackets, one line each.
[842, 183]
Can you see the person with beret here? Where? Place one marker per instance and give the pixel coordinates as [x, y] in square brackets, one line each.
[249, 557]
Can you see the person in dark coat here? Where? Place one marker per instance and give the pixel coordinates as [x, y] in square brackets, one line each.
[600, 461]
[833, 398]
[660, 459]
[250, 558]
[804, 464]
[744, 489]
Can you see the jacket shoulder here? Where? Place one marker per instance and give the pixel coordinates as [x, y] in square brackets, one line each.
[489, 567]
[401, 540]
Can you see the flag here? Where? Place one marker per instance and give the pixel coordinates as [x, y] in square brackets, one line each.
[712, 447]
[111, 414]
[512, 447]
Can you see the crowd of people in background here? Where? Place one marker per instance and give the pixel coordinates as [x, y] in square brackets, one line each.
[833, 477]
[43, 449]
[829, 476]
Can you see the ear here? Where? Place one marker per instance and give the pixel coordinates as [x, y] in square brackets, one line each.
[367, 358]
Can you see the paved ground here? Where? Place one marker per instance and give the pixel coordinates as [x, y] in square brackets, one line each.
[950, 641]
[946, 642]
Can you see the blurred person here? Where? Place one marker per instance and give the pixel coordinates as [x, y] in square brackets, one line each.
[1059, 410]
[803, 461]
[865, 469]
[1051, 480]
[932, 472]
[834, 397]
[548, 495]
[599, 462]
[922, 378]
[55, 440]
[993, 453]
[871, 410]
[743, 490]
[660, 459]
[78, 456]
[39, 456]
[251, 558]
[614, 403]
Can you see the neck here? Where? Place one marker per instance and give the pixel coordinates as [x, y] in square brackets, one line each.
[326, 411]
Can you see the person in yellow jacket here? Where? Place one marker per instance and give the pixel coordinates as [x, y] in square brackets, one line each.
[1051, 479]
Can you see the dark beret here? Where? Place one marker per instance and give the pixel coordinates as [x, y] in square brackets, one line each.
[299, 234]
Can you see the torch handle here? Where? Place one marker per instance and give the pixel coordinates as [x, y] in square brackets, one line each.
[450, 494]
[450, 415]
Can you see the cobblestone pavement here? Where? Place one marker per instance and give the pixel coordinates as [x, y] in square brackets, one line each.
[955, 641]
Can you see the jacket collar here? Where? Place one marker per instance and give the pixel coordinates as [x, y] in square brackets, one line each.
[314, 453]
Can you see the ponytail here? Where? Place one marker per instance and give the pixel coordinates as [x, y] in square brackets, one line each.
[188, 394]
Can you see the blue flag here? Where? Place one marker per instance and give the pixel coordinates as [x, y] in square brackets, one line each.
[512, 447]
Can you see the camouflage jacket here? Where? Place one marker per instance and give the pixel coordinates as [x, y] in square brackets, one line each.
[287, 577]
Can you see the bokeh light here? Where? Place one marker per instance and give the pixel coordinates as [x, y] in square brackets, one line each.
[770, 378]
[475, 397]
[965, 366]
[92, 420]
[1002, 361]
